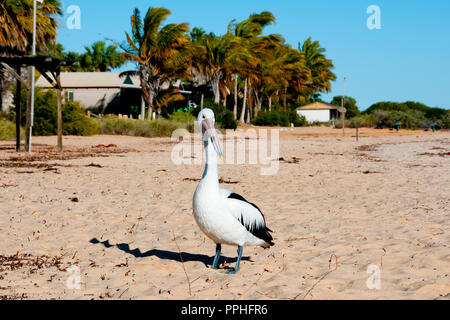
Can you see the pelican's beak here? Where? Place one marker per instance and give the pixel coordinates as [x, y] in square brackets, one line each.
[209, 132]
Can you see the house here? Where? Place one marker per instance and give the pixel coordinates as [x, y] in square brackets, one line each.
[103, 92]
[319, 111]
[99, 92]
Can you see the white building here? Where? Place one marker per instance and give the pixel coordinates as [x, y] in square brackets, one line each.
[318, 112]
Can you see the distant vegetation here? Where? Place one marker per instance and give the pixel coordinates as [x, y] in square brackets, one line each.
[142, 128]
[75, 121]
[7, 130]
[410, 115]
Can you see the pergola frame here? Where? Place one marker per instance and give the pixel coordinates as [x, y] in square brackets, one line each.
[50, 68]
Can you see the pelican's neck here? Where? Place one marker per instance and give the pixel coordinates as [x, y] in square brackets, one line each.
[210, 175]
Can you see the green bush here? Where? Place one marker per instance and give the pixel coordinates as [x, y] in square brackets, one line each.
[279, 118]
[364, 120]
[75, 121]
[272, 118]
[141, 128]
[184, 117]
[224, 117]
[410, 114]
[8, 130]
[407, 120]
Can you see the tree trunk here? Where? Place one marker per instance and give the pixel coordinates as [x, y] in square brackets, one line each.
[142, 108]
[248, 115]
[270, 103]
[201, 101]
[215, 86]
[244, 103]
[258, 102]
[235, 97]
[150, 105]
[284, 99]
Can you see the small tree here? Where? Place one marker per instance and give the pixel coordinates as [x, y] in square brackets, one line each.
[349, 104]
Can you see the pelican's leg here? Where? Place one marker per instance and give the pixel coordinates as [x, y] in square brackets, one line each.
[217, 257]
[236, 268]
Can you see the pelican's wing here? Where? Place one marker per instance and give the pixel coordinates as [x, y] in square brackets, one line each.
[248, 214]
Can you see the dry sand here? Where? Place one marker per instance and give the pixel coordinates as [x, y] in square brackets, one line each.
[336, 206]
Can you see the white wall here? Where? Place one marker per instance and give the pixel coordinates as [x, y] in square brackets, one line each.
[315, 115]
[93, 98]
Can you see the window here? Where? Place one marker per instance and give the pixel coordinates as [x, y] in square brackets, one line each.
[70, 96]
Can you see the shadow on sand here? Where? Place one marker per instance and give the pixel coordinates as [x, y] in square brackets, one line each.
[165, 254]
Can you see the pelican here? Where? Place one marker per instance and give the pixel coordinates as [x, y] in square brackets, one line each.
[225, 217]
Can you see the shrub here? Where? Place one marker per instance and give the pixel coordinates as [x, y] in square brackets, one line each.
[184, 117]
[224, 117]
[8, 130]
[364, 120]
[279, 118]
[141, 128]
[407, 120]
[272, 118]
[75, 122]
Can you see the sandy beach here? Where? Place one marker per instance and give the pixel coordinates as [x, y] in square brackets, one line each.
[342, 211]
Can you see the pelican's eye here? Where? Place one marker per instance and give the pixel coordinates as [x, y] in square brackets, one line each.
[204, 117]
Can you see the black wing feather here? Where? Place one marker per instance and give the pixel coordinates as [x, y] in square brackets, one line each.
[261, 232]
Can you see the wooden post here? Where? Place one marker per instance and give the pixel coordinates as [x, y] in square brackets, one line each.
[343, 117]
[18, 112]
[28, 123]
[356, 132]
[59, 105]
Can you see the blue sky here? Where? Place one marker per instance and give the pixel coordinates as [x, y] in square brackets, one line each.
[407, 59]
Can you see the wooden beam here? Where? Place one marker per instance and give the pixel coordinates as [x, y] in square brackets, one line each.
[14, 74]
[28, 123]
[59, 104]
[18, 90]
[50, 80]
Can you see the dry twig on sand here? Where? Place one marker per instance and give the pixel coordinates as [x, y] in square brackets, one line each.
[254, 283]
[321, 278]
[182, 262]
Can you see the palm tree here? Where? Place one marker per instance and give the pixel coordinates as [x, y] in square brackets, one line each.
[16, 18]
[319, 66]
[16, 33]
[214, 59]
[247, 31]
[160, 52]
[100, 57]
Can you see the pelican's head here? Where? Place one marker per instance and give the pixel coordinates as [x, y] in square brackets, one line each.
[206, 120]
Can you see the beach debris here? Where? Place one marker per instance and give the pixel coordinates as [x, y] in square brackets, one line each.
[431, 154]
[369, 171]
[94, 165]
[74, 199]
[368, 147]
[107, 146]
[222, 180]
[33, 263]
[293, 160]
